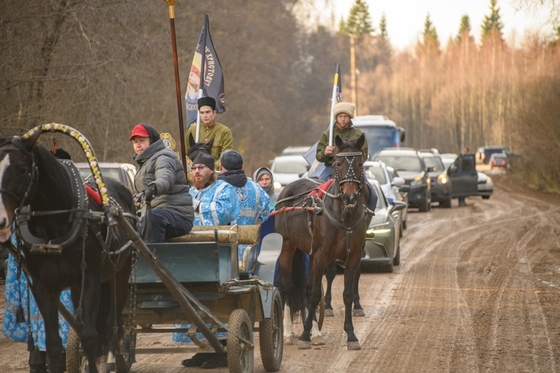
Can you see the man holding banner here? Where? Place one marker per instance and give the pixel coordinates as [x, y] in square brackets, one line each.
[209, 129]
[206, 81]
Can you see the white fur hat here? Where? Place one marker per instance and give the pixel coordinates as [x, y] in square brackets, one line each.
[344, 107]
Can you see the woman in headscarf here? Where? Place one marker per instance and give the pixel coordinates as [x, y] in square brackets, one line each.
[263, 176]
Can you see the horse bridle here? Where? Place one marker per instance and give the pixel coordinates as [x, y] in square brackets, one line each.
[13, 145]
[350, 177]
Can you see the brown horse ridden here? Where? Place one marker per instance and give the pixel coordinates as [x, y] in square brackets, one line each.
[66, 243]
[327, 229]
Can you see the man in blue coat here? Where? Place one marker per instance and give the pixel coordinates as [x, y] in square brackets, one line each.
[252, 198]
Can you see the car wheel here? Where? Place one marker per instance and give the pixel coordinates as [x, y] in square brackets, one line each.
[485, 197]
[397, 258]
[446, 203]
[424, 206]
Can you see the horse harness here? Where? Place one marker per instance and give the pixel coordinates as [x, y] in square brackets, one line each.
[79, 217]
[314, 201]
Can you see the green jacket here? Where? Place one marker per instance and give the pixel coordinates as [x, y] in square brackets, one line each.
[347, 133]
[223, 139]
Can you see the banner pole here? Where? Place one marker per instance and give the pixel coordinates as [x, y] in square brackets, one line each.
[333, 101]
[171, 7]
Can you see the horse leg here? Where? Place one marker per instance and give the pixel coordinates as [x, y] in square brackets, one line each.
[348, 296]
[48, 306]
[119, 293]
[315, 277]
[89, 336]
[286, 287]
[330, 274]
[358, 309]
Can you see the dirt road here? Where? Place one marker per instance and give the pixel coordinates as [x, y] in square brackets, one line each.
[477, 290]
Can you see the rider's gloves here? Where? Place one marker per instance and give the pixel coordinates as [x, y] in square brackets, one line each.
[150, 192]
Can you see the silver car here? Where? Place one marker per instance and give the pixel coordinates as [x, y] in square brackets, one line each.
[382, 246]
[393, 187]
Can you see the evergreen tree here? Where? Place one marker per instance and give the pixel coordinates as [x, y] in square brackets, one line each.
[358, 22]
[430, 41]
[492, 23]
[384, 49]
[464, 27]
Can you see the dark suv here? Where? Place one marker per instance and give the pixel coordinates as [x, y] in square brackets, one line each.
[483, 153]
[411, 167]
[440, 182]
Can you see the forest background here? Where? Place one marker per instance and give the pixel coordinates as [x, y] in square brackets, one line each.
[102, 66]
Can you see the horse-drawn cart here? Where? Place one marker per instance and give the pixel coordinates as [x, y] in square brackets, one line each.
[196, 280]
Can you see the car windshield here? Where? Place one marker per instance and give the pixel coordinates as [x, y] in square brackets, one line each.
[378, 174]
[434, 162]
[290, 166]
[401, 163]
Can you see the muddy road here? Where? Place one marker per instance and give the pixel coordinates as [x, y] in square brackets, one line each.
[478, 290]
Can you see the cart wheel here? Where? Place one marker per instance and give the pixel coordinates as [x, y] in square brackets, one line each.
[73, 359]
[240, 348]
[271, 335]
[127, 356]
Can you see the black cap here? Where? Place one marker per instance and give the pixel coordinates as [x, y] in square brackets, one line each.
[207, 101]
[231, 160]
[205, 159]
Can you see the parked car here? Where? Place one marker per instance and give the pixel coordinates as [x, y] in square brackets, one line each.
[287, 168]
[382, 246]
[391, 186]
[123, 172]
[295, 150]
[403, 191]
[440, 181]
[499, 160]
[485, 186]
[484, 153]
[410, 165]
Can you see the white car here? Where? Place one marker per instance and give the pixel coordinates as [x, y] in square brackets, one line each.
[391, 186]
[288, 168]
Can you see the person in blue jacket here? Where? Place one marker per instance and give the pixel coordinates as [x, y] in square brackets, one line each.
[215, 201]
[253, 200]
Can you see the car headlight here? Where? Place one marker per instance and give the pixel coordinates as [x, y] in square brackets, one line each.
[418, 181]
[277, 185]
[378, 227]
[442, 179]
[489, 181]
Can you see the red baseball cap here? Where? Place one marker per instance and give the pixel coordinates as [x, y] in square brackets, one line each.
[140, 131]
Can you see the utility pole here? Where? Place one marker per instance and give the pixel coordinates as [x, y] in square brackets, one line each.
[353, 71]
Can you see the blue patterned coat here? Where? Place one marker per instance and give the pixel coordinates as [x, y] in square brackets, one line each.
[219, 204]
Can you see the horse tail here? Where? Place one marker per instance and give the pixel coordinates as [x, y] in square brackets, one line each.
[300, 272]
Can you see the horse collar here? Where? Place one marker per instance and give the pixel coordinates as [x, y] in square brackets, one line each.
[55, 246]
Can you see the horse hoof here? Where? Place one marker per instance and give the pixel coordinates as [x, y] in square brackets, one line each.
[329, 312]
[318, 340]
[304, 345]
[354, 346]
[359, 312]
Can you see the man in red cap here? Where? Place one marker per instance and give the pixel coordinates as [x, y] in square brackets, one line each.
[162, 180]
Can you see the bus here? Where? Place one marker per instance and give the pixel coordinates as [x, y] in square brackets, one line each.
[380, 131]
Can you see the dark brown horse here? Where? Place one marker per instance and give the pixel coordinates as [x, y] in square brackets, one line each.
[195, 148]
[65, 242]
[327, 228]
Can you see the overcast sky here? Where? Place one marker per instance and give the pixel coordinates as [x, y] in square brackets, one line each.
[405, 18]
